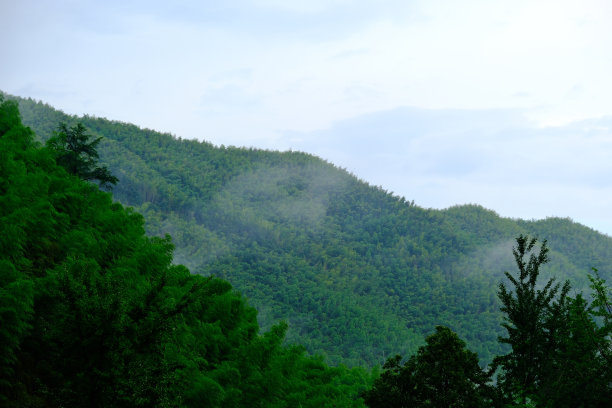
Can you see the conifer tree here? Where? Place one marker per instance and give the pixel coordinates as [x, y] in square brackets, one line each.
[532, 320]
[560, 354]
[76, 151]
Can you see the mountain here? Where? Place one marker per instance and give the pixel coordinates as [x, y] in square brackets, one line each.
[93, 312]
[358, 273]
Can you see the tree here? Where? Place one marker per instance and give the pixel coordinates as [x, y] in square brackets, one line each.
[578, 371]
[443, 373]
[560, 346]
[16, 291]
[602, 301]
[77, 153]
[533, 319]
[94, 313]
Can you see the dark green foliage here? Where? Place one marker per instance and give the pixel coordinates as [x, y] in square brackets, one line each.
[358, 273]
[602, 300]
[560, 351]
[94, 313]
[532, 319]
[578, 372]
[74, 151]
[16, 223]
[442, 374]
[560, 355]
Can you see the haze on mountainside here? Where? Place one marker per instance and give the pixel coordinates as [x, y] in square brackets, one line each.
[357, 272]
[95, 311]
[502, 104]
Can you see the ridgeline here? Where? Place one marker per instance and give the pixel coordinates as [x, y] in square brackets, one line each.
[357, 273]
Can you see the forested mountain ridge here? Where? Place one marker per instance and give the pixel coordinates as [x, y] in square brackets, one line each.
[358, 273]
[94, 313]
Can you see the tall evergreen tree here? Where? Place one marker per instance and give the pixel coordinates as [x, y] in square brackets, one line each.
[560, 354]
[77, 152]
[532, 319]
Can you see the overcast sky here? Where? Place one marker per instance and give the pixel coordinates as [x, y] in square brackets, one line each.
[507, 104]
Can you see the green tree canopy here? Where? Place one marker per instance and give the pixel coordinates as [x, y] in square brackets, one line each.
[560, 354]
[76, 151]
[95, 313]
[357, 272]
[531, 318]
[442, 374]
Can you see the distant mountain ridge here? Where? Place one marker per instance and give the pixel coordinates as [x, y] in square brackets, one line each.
[358, 273]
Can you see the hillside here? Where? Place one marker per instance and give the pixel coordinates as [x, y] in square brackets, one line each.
[359, 274]
[93, 312]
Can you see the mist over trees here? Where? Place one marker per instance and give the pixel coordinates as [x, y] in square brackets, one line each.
[357, 273]
[95, 312]
[560, 351]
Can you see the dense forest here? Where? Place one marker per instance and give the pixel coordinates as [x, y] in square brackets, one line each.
[96, 313]
[359, 274]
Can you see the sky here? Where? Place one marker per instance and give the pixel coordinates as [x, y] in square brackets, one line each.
[506, 104]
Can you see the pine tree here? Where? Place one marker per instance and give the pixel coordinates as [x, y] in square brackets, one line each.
[532, 319]
[77, 153]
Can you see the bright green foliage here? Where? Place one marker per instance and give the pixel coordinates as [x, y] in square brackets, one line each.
[94, 313]
[17, 222]
[442, 374]
[78, 154]
[358, 273]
